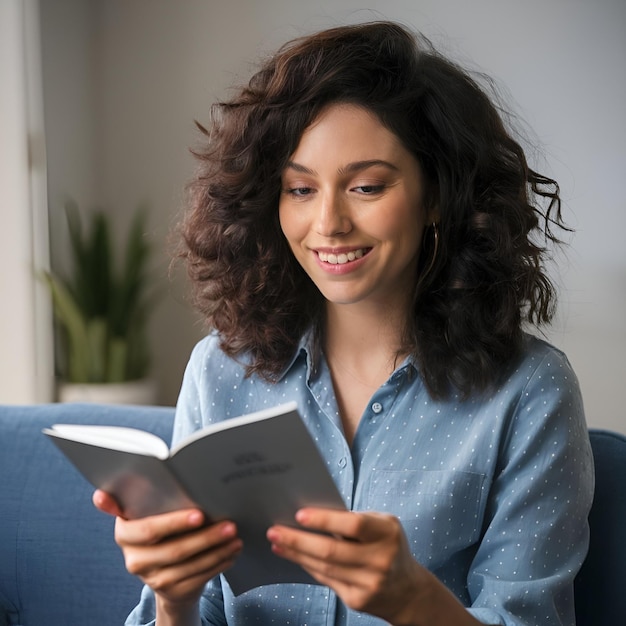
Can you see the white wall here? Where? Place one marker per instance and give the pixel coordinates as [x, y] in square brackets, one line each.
[159, 65]
[68, 34]
[25, 326]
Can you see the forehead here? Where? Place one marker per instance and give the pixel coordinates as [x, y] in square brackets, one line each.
[347, 130]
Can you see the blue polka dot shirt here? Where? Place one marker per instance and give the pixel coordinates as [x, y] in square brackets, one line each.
[493, 491]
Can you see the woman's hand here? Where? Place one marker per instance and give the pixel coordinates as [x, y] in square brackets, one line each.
[365, 559]
[175, 554]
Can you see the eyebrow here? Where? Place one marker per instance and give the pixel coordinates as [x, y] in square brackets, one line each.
[356, 166]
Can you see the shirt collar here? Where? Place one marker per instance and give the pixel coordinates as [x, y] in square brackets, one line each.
[304, 350]
[307, 351]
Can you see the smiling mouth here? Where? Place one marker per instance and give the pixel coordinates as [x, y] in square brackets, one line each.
[343, 257]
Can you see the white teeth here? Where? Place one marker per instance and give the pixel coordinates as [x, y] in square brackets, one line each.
[341, 259]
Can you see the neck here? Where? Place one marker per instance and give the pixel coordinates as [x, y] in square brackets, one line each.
[361, 351]
[365, 342]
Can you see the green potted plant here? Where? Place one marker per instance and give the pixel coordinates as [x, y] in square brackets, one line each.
[101, 310]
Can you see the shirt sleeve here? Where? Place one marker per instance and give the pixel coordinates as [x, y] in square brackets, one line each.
[536, 531]
[189, 413]
[211, 607]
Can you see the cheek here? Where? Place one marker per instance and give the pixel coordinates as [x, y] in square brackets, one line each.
[405, 226]
[293, 228]
[283, 220]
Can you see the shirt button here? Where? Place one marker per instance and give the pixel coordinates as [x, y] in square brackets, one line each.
[342, 461]
[377, 407]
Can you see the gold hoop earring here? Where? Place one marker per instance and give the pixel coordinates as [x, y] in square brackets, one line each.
[435, 230]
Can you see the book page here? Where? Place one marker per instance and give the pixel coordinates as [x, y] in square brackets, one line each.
[235, 422]
[113, 437]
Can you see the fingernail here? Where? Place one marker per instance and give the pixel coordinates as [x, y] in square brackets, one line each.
[196, 518]
[228, 530]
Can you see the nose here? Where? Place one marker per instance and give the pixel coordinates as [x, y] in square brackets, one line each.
[333, 216]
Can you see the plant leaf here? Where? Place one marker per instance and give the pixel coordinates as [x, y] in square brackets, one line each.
[118, 358]
[97, 341]
[103, 312]
[74, 323]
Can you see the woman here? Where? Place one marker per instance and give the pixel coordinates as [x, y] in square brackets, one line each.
[365, 237]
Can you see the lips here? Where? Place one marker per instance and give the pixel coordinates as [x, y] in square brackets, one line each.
[342, 258]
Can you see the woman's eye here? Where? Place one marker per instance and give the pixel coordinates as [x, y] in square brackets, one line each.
[369, 189]
[299, 191]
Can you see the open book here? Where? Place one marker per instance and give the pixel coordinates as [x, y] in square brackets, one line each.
[256, 470]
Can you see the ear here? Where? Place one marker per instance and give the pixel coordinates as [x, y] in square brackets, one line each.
[433, 215]
[431, 204]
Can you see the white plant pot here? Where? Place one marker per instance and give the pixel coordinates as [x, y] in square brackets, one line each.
[142, 392]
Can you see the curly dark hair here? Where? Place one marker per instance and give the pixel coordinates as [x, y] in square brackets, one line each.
[496, 215]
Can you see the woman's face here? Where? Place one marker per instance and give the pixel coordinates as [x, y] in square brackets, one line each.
[351, 208]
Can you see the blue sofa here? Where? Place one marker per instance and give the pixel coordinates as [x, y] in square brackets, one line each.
[59, 565]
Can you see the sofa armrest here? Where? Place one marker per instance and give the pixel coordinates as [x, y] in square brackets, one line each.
[59, 563]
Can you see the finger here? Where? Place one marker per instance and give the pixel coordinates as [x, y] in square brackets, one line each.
[184, 579]
[359, 540]
[362, 527]
[154, 529]
[106, 503]
[306, 547]
[220, 540]
[347, 567]
[203, 553]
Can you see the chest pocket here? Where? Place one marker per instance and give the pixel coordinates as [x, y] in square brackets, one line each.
[441, 511]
